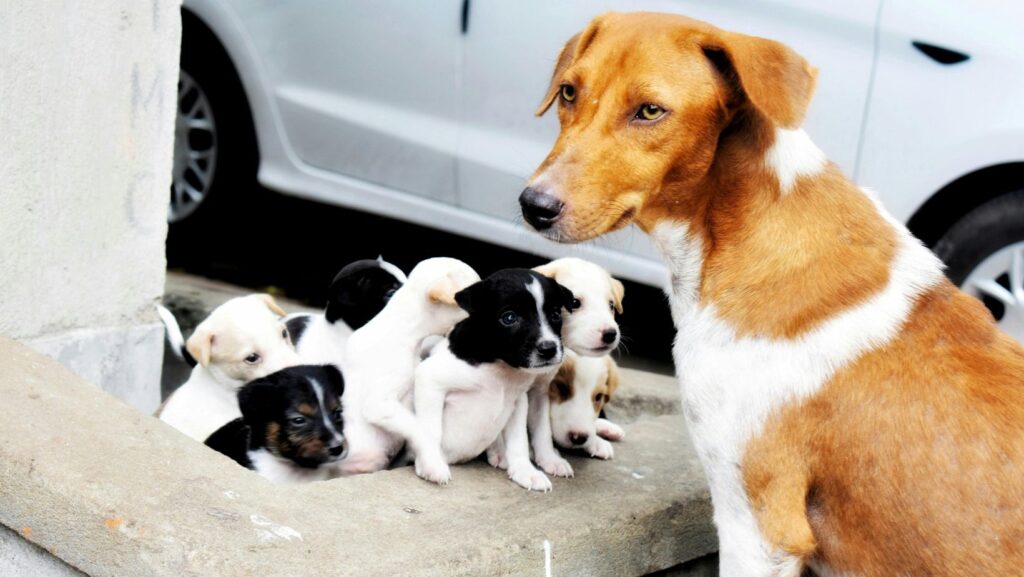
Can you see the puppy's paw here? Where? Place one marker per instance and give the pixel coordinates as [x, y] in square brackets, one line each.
[610, 430]
[600, 449]
[496, 458]
[529, 478]
[555, 465]
[434, 470]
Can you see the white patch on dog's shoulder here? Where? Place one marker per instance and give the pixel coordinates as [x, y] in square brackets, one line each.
[730, 384]
[793, 155]
[392, 270]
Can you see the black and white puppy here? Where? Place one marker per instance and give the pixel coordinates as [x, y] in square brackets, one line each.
[470, 393]
[291, 426]
[358, 292]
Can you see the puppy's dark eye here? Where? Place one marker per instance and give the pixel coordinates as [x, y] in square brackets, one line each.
[599, 398]
[568, 92]
[390, 293]
[336, 415]
[284, 334]
[555, 316]
[649, 112]
[611, 305]
[563, 389]
[252, 359]
[509, 318]
[575, 304]
[298, 421]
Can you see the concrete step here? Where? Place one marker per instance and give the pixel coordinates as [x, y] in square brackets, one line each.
[110, 491]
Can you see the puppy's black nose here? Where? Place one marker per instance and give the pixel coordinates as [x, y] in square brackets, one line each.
[609, 336]
[540, 209]
[547, 349]
[578, 438]
[336, 450]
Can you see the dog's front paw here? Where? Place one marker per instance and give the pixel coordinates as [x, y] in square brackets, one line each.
[496, 458]
[600, 449]
[610, 430]
[529, 478]
[556, 465]
[434, 470]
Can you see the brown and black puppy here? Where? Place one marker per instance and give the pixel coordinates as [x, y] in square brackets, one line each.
[290, 430]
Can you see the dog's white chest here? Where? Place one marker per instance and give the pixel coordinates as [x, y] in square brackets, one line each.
[474, 417]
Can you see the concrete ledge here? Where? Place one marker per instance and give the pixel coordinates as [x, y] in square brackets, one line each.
[111, 491]
[124, 361]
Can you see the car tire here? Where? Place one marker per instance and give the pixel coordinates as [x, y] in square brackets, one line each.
[981, 249]
[215, 147]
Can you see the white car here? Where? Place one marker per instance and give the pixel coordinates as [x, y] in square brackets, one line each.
[423, 111]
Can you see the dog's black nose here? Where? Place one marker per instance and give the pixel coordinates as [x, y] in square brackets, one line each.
[609, 336]
[578, 438]
[336, 450]
[547, 349]
[540, 209]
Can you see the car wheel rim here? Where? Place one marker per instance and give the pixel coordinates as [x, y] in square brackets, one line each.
[999, 282]
[195, 150]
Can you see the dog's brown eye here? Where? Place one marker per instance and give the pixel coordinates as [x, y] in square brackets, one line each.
[568, 92]
[252, 359]
[649, 112]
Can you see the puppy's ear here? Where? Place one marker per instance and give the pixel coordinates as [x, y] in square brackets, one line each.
[572, 50]
[549, 270]
[613, 376]
[769, 75]
[272, 305]
[468, 298]
[258, 400]
[567, 296]
[618, 293]
[200, 345]
[444, 290]
[335, 381]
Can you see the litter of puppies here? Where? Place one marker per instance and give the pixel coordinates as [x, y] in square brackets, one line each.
[435, 368]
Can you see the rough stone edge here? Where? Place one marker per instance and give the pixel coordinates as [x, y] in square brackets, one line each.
[124, 361]
[19, 557]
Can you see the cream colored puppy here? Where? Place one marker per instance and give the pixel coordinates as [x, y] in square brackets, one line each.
[242, 340]
[590, 330]
[578, 393]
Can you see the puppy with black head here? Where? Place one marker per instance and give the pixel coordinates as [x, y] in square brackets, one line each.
[471, 392]
[358, 292]
[291, 425]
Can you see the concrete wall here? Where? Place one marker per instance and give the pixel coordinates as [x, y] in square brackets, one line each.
[87, 102]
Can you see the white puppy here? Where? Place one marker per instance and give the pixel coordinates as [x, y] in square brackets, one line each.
[471, 391]
[580, 390]
[591, 331]
[382, 357]
[242, 339]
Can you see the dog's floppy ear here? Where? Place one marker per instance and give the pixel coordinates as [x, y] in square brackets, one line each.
[258, 399]
[612, 382]
[618, 293]
[444, 289]
[272, 305]
[570, 52]
[468, 297]
[567, 296]
[200, 345]
[769, 75]
[335, 381]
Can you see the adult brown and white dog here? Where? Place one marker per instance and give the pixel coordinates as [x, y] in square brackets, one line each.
[853, 410]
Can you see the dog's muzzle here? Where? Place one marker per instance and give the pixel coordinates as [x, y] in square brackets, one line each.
[540, 209]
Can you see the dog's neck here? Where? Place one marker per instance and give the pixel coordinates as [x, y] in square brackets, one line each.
[773, 236]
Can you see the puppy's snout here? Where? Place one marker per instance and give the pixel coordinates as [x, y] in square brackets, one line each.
[609, 335]
[540, 209]
[547, 350]
[578, 438]
[338, 450]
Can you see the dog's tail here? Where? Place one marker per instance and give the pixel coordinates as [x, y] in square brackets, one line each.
[174, 335]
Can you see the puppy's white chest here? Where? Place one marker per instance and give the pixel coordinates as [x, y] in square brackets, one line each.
[473, 418]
